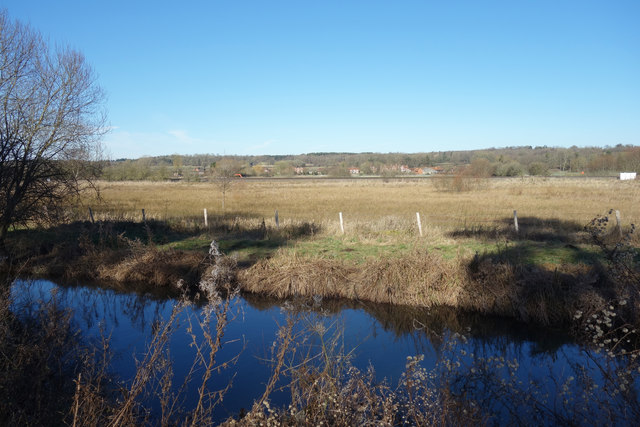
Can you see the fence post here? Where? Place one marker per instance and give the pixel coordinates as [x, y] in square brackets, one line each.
[341, 223]
[206, 224]
[91, 215]
[618, 223]
[515, 219]
[277, 220]
[419, 223]
[144, 217]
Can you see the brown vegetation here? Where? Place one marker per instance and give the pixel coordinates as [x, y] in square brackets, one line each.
[488, 286]
[298, 258]
[319, 201]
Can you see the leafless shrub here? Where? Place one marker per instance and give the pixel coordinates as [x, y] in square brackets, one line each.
[93, 401]
[218, 312]
[37, 361]
[326, 389]
[617, 246]
[220, 275]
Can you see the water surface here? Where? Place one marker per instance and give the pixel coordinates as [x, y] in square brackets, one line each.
[382, 336]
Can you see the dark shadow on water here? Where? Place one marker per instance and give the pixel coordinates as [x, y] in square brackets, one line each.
[434, 324]
[143, 308]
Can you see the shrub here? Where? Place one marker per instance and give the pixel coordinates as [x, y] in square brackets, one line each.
[510, 169]
[538, 169]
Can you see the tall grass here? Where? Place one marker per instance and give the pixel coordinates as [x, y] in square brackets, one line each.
[319, 201]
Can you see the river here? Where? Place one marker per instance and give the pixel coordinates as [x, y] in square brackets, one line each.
[538, 360]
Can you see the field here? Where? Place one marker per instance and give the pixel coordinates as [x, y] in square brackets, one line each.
[372, 201]
[380, 215]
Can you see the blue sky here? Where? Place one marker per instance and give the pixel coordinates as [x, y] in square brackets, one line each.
[289, 77]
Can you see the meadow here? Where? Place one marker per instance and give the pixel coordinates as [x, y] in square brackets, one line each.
[469, 255]
[379, 216]
[372, 200]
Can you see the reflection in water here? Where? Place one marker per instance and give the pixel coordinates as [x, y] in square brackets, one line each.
[427, 328]
[380, 335]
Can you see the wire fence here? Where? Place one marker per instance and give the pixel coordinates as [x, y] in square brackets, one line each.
[504, 219]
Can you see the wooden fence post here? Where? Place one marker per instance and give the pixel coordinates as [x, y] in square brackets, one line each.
[91, 215]
[277, 220]
[618, 223]
[419, 223]
[144, 217]
[515, 219]
[341, 223]
[206, 223]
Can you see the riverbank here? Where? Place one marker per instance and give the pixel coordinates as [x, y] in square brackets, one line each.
[525, 277]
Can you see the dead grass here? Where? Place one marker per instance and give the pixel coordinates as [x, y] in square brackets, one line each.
[410, 280]
[527, 293]
[39, 359]
[367, 201]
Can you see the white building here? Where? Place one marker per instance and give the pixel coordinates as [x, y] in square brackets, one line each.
[627, 175]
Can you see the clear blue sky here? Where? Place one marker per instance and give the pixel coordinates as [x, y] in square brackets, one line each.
[288, 77]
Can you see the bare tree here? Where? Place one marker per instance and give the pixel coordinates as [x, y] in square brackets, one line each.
[224, 173]
[51, 118]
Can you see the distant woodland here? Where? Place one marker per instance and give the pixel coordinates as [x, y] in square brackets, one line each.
[509, 161]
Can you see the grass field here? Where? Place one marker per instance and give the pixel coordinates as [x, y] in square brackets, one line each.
[377, 201]
[380, 215]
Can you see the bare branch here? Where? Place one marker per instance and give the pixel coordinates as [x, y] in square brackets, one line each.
[51, 121]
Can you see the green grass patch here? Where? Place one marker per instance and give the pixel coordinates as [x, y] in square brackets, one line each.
[463, 249]
[549, 253]
[247, 250]
[242, 249]
[349, 249]
[191, 243]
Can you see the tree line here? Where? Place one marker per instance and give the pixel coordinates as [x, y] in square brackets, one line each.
[509, 161]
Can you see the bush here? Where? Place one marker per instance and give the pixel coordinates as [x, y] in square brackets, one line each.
[510, 169]
[538, 169]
